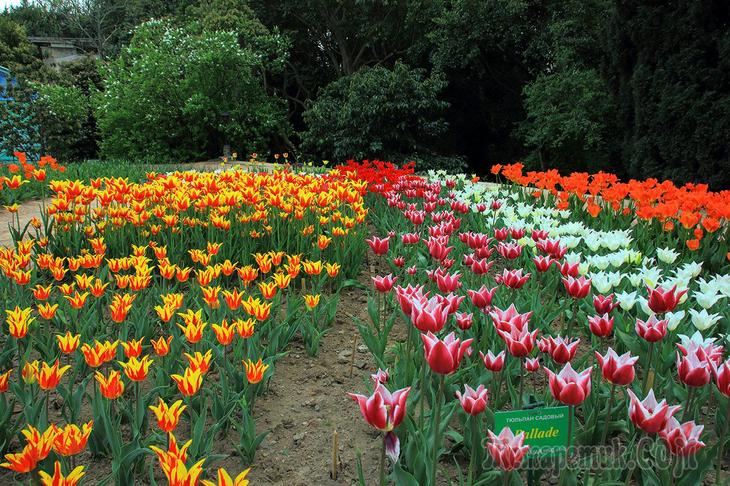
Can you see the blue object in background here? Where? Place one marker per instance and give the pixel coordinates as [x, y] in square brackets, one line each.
[6, 81]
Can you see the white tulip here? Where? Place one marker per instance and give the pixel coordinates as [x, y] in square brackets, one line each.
[702, 320]
[666, 255]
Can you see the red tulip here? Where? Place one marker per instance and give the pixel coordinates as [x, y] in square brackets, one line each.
[452, 302]
[481, 298]
[722, 377]
[507, 319]
[577, 288]
[399, 261]
[406, 295]
[567, 269]
[491, 362]
[542, 263]
[682, 439]
[652, 330]
[519, 341]
[379, 246]
[618, 370]
[464, 321]
[496, 204]
[517, 233]
[512, 278]
[538, 235]
[649, 415]
[506, 449]
[448, 282]
[501, 234]
[552, 248]
[380, 376]
[569, 387]
[481, 266]
[383, 410]
[444, 356]
[693, 368]
[473, 401]
[532, 364]
[664, 300]
[510, 251]
[410, 238]
[604, 305]
[384, 284]
[601, 326]
[429, 315]
[559, 349]
[412, 270]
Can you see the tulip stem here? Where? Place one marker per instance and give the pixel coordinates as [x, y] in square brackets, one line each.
[570, 434]
[499, 388]
[608, 413]
[422, 398]
[648, 367]
[522, 383]
[690, 399]
[473, 463]
[506, 477]
[437, 429]
[720, 445]
[382, 463]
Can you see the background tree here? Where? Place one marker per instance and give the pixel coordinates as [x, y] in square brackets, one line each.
[174, 94]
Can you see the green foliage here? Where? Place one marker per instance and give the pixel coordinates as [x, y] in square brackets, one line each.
[174, 94]
[669, 69]
[16, 53]
[62, 112]
[567, 115]
[376, 112]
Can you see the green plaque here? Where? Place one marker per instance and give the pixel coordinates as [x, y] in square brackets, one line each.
[546, 429]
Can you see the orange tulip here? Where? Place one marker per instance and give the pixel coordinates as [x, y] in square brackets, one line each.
[193, 332]
[172, 300]
[245, 327]
[312, 267]
[161, 345]
[47, 311]
[257, 309]
[254, 371]
[224, 479]
[30, 372]
[189, 382]
[58, 479]
[233, 298]
[111, 387]
[136, 370]
[42, 443]
[332, 269]
[77, 300]
[224, 333]
[68, 343]
[168, 416]
[71, 439]
[50, 376]
[5, 381]
[169, 458]
[323, 241]
[268, 289]
[21, 462]
[132, 348]
[311, 301]
[42, 293]
[18, 321]
[200, 362]
[165, 312]
[211, 296]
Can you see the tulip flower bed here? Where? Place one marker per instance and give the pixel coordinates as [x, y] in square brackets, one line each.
[143, 320]
[505, 303]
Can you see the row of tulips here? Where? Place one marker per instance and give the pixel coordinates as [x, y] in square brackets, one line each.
[691, 215]
[509, 305]
[141, 313]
